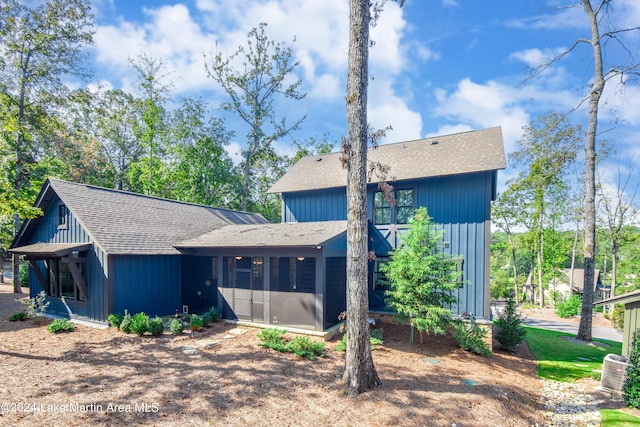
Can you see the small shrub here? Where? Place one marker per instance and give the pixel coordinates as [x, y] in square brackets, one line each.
[509, 331]
[196, 323]
[125, 325]
[176, 327]
[631, 386]
[156, 327]
[24, 275]
[115, 319]
[596, 375]
[206, 319]
[375, 339]
[471, 337]
[37, 306]
[306, 348]
[214, 313]
[21, 315]
[273, 338]
[570, 307]
[617, 318]
[60, 325]
[139, 324]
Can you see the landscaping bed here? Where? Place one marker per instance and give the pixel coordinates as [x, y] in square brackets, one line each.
[105, 377]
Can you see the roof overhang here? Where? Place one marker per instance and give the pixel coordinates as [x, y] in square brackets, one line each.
[621, 299]
[50, 250]
[282, 235]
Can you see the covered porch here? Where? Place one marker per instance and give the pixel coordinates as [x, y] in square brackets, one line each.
[289, 275]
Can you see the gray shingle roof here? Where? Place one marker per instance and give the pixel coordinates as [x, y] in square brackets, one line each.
[128, 223]
[290, 234]
[459, 153]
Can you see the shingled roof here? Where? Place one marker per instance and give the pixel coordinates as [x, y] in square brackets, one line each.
[288, 234]
[460, 153]
[121, 222]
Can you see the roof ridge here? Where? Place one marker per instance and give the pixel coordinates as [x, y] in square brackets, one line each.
[162, 199]
[426, 138]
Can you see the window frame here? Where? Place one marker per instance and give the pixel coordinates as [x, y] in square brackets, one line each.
[380, 203]
[63, 217]
[56, 284]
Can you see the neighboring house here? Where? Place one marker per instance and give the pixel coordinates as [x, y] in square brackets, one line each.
[562, 285]
[97, 251]
[631, 303]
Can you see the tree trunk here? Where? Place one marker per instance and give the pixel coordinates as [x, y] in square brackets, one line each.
[573, 257]
[515, 269]
[359, 374]
[614, 273]
[584, 330]
[540, 267]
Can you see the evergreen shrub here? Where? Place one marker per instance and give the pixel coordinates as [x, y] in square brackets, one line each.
[176, 327]
[156, 327]
[509, 330]
[631, 386]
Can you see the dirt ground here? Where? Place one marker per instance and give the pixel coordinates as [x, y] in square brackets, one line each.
[107, 378]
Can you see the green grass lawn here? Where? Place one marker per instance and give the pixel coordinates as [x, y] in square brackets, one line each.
[611, 418]
[565, 361]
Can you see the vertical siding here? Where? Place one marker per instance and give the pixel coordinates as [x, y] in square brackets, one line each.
[631, 326]
[460, 205]
[320, 205]
[47, 232]
[147, 283]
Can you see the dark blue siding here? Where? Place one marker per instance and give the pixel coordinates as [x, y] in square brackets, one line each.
[460, 204]
[148, 283]
[321, 205]
[199, 287]
[47, 232]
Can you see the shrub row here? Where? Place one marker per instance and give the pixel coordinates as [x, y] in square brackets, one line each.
[301, 346]
[140, 323]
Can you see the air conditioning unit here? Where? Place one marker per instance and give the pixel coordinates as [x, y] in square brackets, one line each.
[614, 369]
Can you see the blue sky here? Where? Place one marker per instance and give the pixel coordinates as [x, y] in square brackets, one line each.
[437, 67]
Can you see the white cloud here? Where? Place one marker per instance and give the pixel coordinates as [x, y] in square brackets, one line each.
[387, 109]
[484, 106]
[557, 18]
[536, 57]
[234, 151]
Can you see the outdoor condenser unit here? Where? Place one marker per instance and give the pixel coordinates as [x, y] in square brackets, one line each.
[614, 369]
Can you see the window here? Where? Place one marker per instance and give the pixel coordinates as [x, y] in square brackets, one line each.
[400, 213]
[61, 282]
[404, 206]
[62, 216]
[381, 209]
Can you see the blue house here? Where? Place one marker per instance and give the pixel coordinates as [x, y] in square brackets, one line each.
[97, 251]
[453, 176]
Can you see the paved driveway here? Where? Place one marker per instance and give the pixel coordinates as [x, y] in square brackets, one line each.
[572, 328]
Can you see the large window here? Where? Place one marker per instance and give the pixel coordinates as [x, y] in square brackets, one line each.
[61, 283]
[400, 213]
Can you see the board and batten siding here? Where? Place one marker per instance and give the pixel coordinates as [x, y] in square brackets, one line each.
[47, 231]
[319, 205]
[146, 283]
[460, 204]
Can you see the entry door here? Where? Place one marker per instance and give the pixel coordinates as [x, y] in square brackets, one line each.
[242, 299]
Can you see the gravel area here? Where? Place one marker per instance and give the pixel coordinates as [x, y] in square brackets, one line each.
[569, 405]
